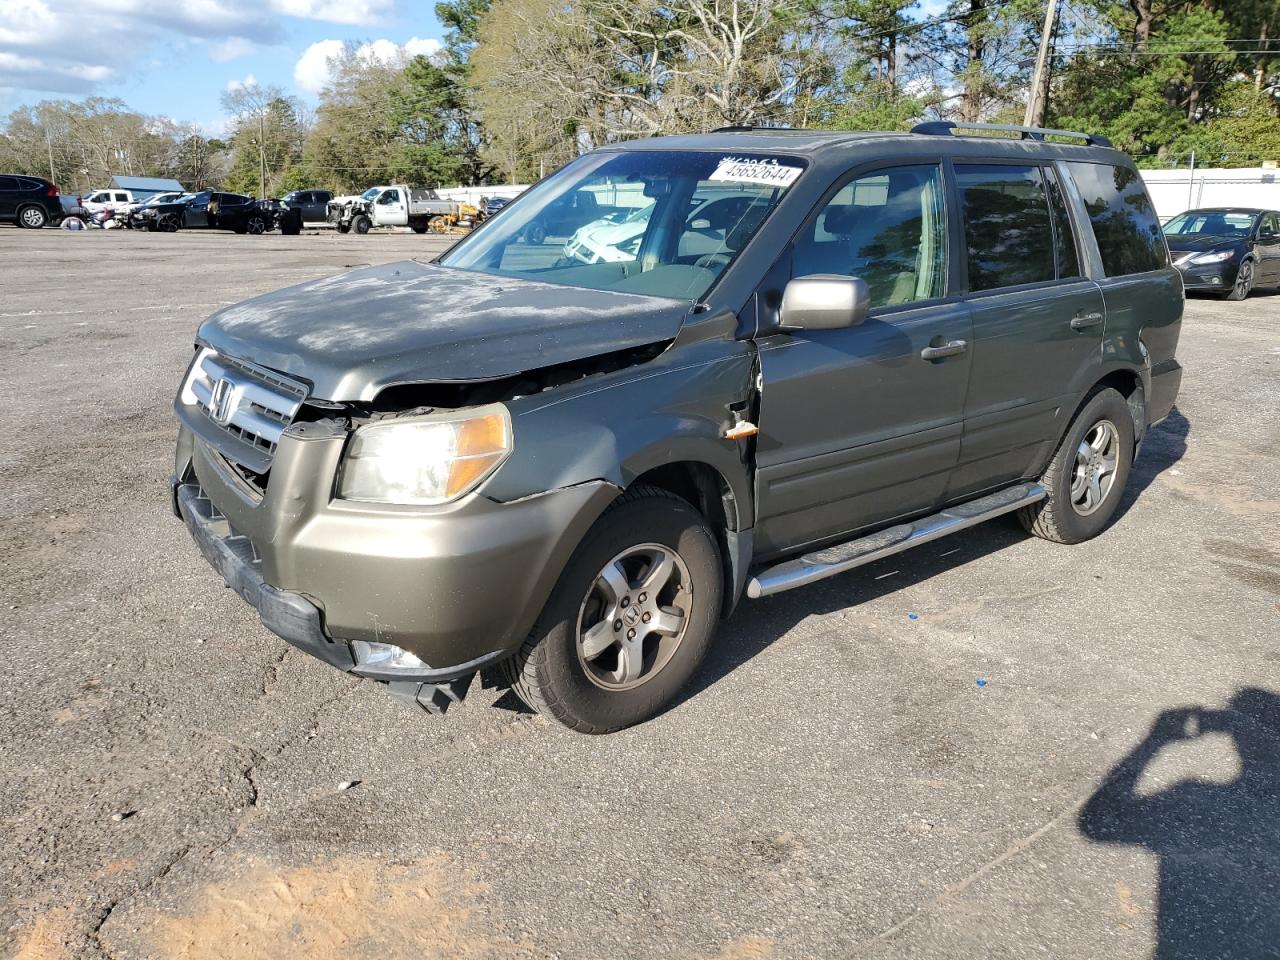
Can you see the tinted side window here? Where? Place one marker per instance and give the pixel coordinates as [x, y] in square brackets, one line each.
[1124, 222]
[8, 183]
[1006, 224]
[1063, 235]
[887, 227]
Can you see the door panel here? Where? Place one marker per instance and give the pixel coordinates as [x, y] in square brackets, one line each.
[197, 212]
[390, 209]
[1267, 250]
[856, 428]
[1030, 365]
[1037, 324]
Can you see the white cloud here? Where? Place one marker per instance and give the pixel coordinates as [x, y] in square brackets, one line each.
[359, 12]
[380, 51]
[314, 68]
[423, 46]
[312, 72]
[71, 46]
[233, 48]
[249, 81]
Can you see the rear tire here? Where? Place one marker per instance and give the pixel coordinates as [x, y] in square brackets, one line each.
[1087, 475]
[624, 628]
[32, 217]
[419, 229]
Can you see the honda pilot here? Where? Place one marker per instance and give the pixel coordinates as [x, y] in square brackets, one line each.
[567, 473]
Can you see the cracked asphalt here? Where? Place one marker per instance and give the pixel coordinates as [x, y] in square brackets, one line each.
[988, 747]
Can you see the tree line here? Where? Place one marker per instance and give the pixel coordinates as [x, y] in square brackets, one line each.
[523, 86]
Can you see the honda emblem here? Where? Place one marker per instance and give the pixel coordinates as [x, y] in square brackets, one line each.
[221, 404]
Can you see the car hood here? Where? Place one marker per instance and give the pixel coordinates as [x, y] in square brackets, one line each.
[357, 333]
[1200, 243]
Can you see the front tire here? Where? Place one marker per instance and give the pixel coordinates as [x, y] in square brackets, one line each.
[360, 225]
[1087, 476]
[1243, 286]
[629, 620]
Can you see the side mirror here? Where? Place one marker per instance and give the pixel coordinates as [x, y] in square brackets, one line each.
[824, 302]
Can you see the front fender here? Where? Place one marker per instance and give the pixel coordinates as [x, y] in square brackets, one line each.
[618, 426]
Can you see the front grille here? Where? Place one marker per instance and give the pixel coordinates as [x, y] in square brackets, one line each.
[240, 407]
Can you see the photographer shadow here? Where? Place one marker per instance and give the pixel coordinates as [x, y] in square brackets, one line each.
[1218, 843]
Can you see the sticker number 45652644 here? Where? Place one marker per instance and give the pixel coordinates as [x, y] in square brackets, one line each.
[752, 170]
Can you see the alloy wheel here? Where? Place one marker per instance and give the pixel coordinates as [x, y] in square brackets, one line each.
[1244, 279]
[1097, 457]
[33, 218]
[634, 616]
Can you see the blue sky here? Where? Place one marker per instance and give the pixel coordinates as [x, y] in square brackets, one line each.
[176, 57]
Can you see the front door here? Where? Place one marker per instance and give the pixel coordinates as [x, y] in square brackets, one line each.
[391, 208]
[197, 212]
[1268, 249]
[862, 425]
[1037, 321]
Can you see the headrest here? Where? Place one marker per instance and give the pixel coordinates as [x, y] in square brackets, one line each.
[840, 220]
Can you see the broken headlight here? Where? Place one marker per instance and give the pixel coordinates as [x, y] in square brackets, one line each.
[425, 460]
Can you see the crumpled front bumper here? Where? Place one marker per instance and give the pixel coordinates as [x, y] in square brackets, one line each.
[459, 586]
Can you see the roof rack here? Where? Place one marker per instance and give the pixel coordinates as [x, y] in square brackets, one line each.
[748, 128]
[948, 127]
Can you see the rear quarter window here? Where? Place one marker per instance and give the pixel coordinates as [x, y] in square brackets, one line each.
[1124, 222]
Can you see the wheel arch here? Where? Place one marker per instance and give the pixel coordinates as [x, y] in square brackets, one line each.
[709, 491]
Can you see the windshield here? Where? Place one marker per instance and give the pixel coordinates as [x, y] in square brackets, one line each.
[1218, 223]
[690, 214]
[370, 193]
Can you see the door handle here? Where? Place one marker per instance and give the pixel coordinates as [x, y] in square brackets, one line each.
[1083, 321]
[946, 350]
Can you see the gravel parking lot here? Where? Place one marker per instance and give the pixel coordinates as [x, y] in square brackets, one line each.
[967, 750]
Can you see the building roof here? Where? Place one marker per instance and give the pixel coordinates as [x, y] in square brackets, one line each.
[148, 184]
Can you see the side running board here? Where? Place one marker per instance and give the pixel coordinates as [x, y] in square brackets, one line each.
[829, 561]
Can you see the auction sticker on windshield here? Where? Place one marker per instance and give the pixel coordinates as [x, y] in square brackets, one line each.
[751, 170]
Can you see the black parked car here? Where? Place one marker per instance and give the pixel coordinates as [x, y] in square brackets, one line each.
[222, 211]
[314, 204]
[28, 201]
[1226, 250]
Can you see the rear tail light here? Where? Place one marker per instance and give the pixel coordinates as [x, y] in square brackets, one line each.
[53, 189]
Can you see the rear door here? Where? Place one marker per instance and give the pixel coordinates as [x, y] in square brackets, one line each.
[861, 425]
[8, 196]
[1037, 320]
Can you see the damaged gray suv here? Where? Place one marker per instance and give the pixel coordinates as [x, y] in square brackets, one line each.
[676, 373]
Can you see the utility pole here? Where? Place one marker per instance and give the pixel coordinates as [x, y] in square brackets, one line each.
[262, 156]
[1038, 99]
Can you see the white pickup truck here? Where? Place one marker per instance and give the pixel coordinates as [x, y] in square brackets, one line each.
[395, 205]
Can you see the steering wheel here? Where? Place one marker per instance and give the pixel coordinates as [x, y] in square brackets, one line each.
[713, 261]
